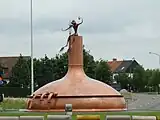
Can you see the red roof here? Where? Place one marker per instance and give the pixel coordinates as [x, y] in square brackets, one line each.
[114, 64]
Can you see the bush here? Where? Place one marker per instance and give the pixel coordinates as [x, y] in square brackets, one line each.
[15, 92]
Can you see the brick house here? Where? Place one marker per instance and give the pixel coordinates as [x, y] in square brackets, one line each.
[6, 64]
[123, 66]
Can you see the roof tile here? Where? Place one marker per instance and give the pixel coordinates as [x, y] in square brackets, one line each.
[114, 65]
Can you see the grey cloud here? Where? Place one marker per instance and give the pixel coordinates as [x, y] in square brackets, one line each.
[101, 25]
[14, 27]
[95, 22]
[17, 27]
[111, 28]
[91, 25]
[49, 24]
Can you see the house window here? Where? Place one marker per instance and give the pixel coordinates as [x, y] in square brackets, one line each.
[5, 71]
[130, 75]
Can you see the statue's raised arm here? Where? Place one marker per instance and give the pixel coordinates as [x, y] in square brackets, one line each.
[70, 26]
[79, 18]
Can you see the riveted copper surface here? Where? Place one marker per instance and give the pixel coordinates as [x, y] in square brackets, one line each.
[84, 93]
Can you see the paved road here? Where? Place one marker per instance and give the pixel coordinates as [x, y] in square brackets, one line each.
[144, 102]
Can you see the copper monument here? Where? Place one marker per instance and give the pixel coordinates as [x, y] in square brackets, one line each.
[76, 88]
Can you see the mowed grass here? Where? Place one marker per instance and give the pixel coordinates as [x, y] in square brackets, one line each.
[13, 103]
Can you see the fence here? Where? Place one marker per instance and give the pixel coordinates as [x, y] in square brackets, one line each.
[82, 117]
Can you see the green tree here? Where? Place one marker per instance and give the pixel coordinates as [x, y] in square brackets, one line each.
[148, 80]
[44, 70]
[124, 80]
[103, 72]
[20, 74]
[138, 78]
[155, 79]
[89, 63]
[60, 66]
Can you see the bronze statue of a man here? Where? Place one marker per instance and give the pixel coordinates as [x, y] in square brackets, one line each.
[74, 25]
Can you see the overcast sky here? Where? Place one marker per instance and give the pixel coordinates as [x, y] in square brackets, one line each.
[120, 29]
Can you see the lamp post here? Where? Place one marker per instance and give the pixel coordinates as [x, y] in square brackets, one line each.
[156, 55]
[31, 27]
[159, 65]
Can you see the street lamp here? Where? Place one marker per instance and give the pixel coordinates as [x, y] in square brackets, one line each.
[156, 55]
[31, 27]
[159, 64]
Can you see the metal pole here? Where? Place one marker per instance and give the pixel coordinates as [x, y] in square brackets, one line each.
[159, 84]
[32, 74]
[159, 60]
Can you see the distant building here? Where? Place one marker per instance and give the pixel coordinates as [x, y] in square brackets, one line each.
[6, 64]
[123, 66]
